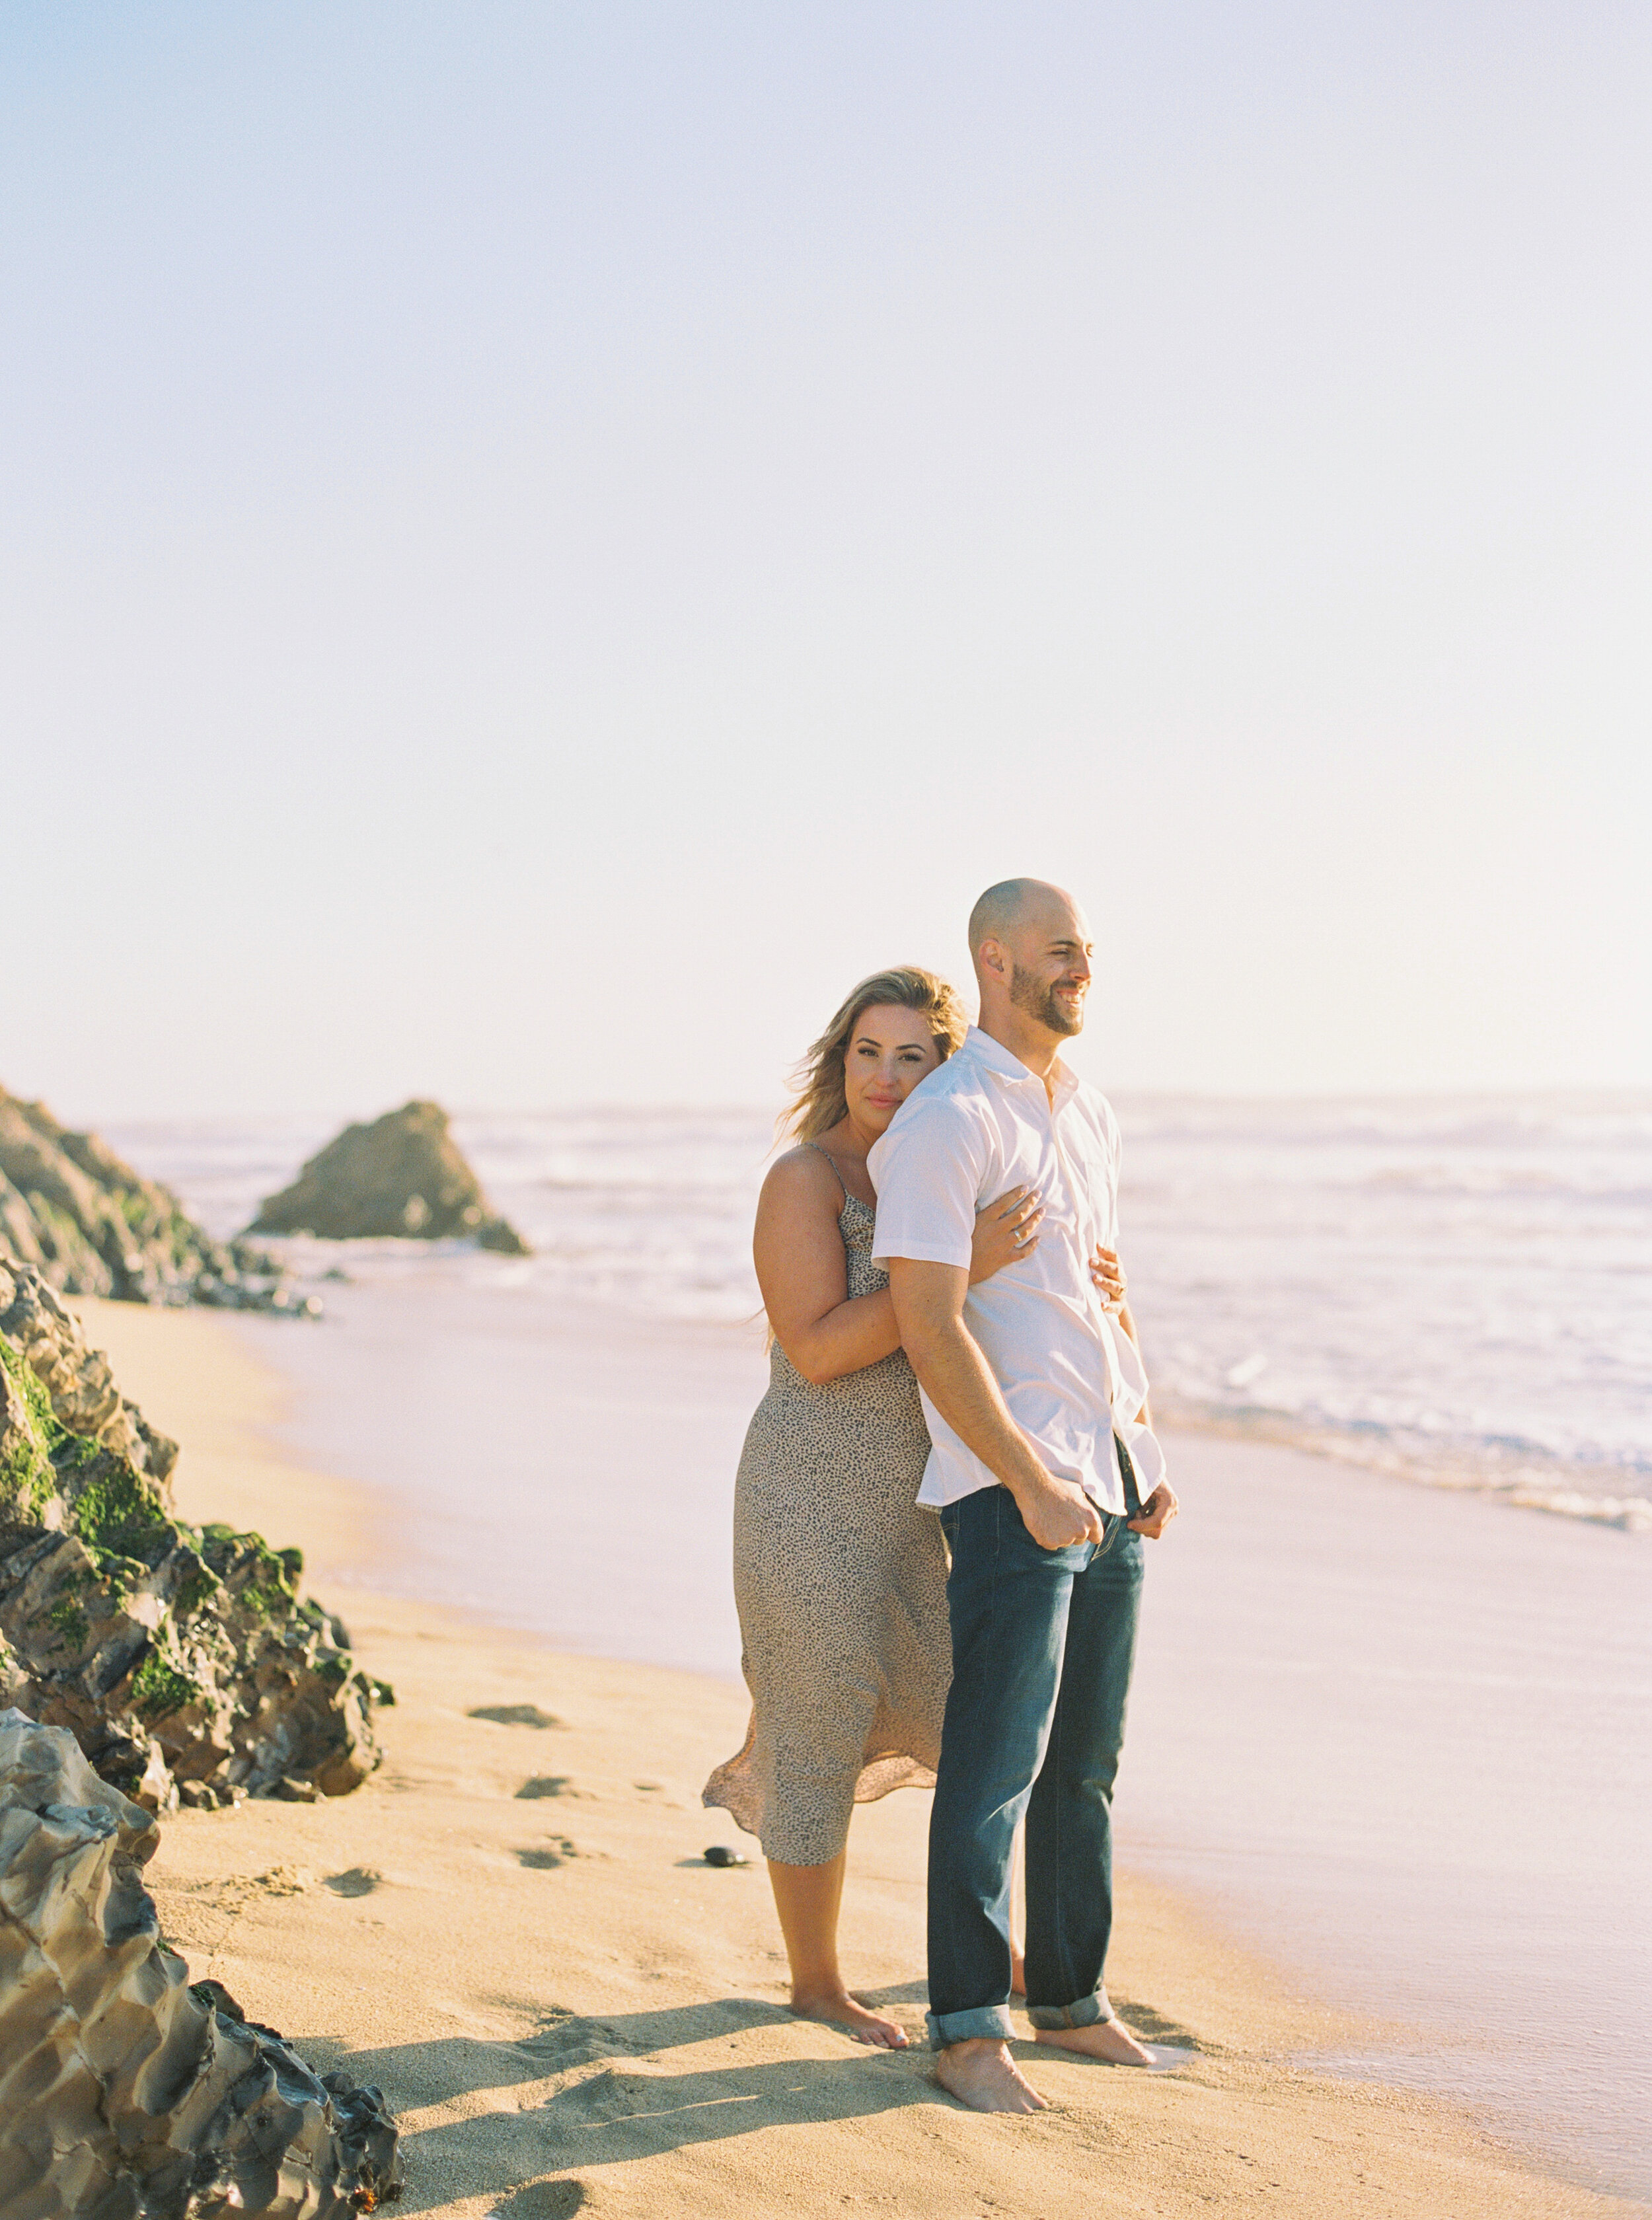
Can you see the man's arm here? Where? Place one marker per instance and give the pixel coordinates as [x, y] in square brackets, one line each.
[929, 1310]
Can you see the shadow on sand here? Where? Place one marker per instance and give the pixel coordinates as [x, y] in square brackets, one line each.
[632, 2105]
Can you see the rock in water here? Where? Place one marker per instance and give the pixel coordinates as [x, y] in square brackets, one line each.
[401, 1177]
[93, 1226]
[181, 1658]
[123, 2090]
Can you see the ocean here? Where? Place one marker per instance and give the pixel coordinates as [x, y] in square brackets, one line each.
[1459, 1291]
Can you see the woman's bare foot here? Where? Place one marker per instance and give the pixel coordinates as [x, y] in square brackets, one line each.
[981, 2074]
[837, 2008]
[1109, 2040]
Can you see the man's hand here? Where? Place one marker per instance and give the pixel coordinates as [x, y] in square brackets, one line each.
[1058, 1513]
[929, 1310]
[1159, 1508]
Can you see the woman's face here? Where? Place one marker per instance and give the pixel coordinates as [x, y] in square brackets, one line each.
[890, 1049]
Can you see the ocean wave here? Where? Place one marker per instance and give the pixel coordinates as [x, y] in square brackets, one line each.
[1516, 1182]
[1567, 1123]
[1514, 1472]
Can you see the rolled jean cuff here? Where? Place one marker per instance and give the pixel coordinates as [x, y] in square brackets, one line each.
[1088, 2012]
[991, 2024]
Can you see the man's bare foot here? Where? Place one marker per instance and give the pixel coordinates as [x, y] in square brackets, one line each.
[837, 2008]
[1109, 2040]
[981, 2074]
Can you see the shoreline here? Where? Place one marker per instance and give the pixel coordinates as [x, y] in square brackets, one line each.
[573, 2013]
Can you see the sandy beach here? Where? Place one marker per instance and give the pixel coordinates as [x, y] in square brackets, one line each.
[510, 1928]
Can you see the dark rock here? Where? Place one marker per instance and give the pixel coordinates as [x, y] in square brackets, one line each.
[400, 1178]
[124, 2089]
[179, 1658]
[92, 1226]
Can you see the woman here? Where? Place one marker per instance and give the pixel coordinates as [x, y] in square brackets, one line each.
[840, 1579]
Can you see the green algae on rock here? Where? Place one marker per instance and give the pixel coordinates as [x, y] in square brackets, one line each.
[184, 1660]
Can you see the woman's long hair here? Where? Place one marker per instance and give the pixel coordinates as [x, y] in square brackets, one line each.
[820, 1100]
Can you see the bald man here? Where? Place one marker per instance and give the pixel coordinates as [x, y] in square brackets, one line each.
[1047, 1476]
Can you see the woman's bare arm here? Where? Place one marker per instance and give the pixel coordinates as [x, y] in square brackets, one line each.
[798, 1254]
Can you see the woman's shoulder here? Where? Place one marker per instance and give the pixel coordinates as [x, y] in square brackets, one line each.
[804, 1174]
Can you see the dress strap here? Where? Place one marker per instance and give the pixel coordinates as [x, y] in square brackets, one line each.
[836, 1174]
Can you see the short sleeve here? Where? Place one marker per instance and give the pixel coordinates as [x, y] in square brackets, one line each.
[927, 1169]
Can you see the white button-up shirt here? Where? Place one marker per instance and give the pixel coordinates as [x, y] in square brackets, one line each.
[1070, 1374]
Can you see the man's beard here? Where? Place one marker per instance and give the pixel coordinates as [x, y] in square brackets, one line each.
[1031, 996]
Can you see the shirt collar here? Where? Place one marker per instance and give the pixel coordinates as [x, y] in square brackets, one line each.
[1007, 1066]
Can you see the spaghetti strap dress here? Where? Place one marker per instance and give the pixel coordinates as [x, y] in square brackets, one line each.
[841, 1584]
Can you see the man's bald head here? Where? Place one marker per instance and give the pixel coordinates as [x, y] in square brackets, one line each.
[1004, 911]
[1029, 944]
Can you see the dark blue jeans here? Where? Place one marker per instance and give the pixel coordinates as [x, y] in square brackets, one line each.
[1043, 1643]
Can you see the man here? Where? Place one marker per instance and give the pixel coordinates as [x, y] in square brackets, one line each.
[1045, 1473]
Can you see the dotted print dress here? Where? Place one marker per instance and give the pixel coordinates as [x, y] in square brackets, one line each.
[841, 1585]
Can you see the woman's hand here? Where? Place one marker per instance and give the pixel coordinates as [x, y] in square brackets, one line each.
[1109, 1275]
[1005, 1229]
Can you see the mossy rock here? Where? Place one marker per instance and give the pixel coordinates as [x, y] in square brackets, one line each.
[28, 1433]
[110, 1504]
[159, 1688]
[170, 1652]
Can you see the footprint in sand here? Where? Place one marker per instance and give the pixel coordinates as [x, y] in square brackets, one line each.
[286, 1880]
[556, 1852]
[356, 1880]
[515, 1715]
[543, 2200]
[552, 1784]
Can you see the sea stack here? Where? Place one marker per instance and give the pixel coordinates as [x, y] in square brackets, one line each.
[401, 1177]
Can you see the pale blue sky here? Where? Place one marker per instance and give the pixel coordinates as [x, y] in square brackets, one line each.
[541, 541]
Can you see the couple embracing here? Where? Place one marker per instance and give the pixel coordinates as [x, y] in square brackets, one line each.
[937, 1260]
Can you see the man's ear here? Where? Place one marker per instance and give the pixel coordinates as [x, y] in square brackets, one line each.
[994, 956]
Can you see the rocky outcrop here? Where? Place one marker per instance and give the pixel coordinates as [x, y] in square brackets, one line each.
[401, 1177]
[93, 1226]
[77, 1378]
[181, 1658]
[125, 2093]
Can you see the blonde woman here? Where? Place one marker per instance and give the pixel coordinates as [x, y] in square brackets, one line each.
[840, 1579]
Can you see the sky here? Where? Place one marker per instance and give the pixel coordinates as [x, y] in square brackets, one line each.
[540, 543]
